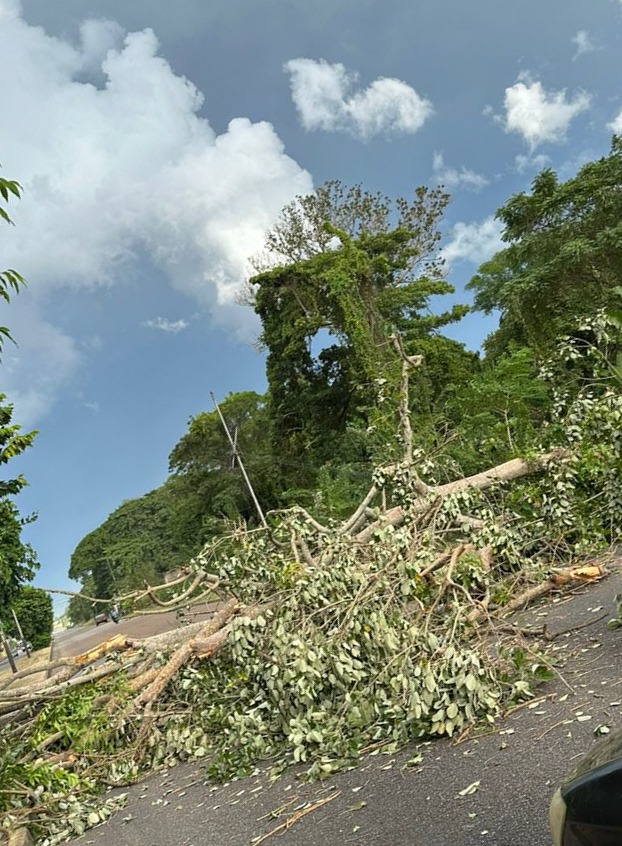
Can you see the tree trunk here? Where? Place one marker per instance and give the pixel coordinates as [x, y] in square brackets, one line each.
[507, 472]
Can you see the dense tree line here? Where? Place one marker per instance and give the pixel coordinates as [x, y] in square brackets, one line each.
[345, 273]
[18, 562]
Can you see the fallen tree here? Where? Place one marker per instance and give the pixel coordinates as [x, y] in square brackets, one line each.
[386, 627]
[328, 638]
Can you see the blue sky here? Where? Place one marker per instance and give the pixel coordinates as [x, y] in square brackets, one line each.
[155, 143]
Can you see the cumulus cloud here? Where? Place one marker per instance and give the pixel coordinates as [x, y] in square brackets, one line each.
[98, 38]
[325, 98]
[116, 161]
[526, 163]
[165, 325]
[473, 242]
[454, 178]
[583, 43]
[616, 123]
[539, 115]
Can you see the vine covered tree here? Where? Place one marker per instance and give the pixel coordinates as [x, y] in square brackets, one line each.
[349, 269]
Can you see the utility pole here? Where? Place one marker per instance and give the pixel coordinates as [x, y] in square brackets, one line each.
[7, 649]
[234, 453]
[237, 458]
[21, 633]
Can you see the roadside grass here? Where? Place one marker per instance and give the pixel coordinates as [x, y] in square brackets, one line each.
[41, 656]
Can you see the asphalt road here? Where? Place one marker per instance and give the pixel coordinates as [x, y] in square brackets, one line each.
[514, 769]
[77, 640]
[82, 638]
[69, 642]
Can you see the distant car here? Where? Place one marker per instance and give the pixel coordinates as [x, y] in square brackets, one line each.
[19, 648]
[101, 618]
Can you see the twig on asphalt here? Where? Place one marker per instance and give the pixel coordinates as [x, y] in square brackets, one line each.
[554, 635]
[296, 816]
[554, 726]
[529, 702]
[278, 811]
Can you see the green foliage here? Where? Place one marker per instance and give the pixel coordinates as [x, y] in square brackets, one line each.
[351, 269]
[207, 480]
[342, 673]
[67, 803]
[341, 485]
[17, 559]
[563, 256]
[18, 562]
[10, 280]
[77, 723]
[34, 611]
[12, 444]
[135, 544]
[497, 413]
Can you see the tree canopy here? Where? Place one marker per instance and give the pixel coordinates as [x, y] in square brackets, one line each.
[352, 268]
[34, 611]
[563, 257]
[17, 559]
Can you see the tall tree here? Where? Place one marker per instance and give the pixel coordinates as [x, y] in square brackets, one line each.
[133, 545]
[351, 269]
[17, 559]
[33, 608]
[564, 255]
[207, 482]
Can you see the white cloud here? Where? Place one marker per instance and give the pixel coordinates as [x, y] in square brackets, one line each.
[41, 363]
[451, 177]
[616, 123]
[98, 38]
[539, 115]
[583, 43]
[165, 325]
[325, 99]
[128, 166]
[525, 163]
[473, 242]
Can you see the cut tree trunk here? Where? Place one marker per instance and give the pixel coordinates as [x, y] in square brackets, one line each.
[507, 472]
